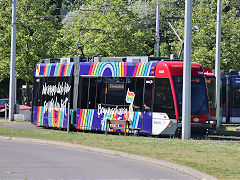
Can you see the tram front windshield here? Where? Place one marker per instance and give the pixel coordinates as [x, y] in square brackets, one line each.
[211, 81]
[199, 102]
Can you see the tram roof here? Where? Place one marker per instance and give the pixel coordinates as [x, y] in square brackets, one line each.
[112, 69]
[53, 69]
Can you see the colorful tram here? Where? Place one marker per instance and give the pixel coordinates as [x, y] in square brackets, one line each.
[230, 97]
[91, 92]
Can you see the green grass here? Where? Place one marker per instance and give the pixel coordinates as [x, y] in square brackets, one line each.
[218, 158]
[228, 131]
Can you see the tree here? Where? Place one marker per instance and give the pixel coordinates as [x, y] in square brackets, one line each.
[170, 12]
[37, 25]
[105, 28]
[204, 36]
[5, 38]
[72, 5]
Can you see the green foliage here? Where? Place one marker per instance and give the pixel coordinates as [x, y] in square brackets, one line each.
[36, 32]
[105, 28]
[164, 49]
[171, 11]
[114, 28]
[37, 26]
[4, 91]
[5, 38]
[73, 4]
[204, 41]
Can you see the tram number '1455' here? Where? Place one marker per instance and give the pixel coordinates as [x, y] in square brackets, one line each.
[160, 121]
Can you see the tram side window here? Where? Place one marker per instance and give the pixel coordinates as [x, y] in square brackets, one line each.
[92, 93]
[223, 96]
[148, 96]
[47, 82]
[37, 91]
[83, 95]
[163, 98]
[236, 97]
[131, 84]
[136, 85]
[46, 92]
[211, 92]
[138, 100]
[115, 93]
[70, 83]
[59, 97]
[87, 95]
[56, 90]
[52, 91]
[101, 89]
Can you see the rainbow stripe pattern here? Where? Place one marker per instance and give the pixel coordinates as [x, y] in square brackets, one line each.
[85, 119]
[116, 69]
[88, 119]
[39, 118]
[130, 96]
[54, 69]
[142, 69]
[52, 118]
[56, 117]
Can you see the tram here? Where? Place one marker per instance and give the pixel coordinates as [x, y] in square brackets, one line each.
[230, 97]
[88, 93]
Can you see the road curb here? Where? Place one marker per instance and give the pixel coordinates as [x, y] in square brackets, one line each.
[183, 169]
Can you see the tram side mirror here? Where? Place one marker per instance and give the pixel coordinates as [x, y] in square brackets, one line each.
[146, 108]
[136, 108]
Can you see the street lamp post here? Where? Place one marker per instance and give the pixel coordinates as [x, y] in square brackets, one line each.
[186, 106]
[12, 65]
[157, 29]
[217, 61]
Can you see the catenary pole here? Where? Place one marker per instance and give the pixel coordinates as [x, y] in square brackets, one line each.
[217, 61]
[186, 106]
[12, 65]
[157, 29]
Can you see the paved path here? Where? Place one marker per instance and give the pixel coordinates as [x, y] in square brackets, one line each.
[24, 160]
[18, 125]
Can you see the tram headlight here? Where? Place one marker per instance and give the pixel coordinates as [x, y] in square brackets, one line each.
[195, 119]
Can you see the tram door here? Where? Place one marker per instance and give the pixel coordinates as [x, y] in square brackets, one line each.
[143, 101]
[147, 106]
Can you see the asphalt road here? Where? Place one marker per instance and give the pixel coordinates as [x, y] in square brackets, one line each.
[24, 160]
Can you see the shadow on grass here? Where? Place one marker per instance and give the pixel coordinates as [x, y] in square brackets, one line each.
[225, 133]
[228, 131]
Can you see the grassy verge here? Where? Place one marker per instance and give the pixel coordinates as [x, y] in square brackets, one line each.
[228, 131]
[218, 158]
